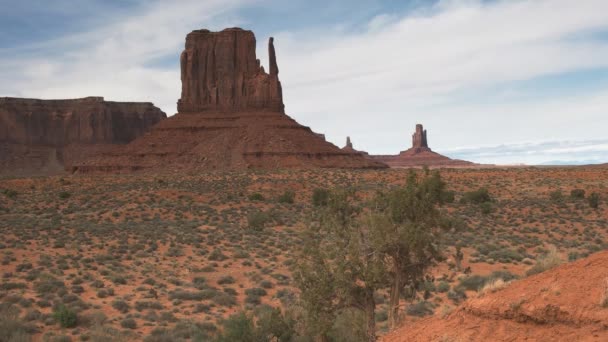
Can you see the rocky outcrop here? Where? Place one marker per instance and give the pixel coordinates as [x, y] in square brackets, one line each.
[231, 116]
[561, 304]
[349, 148]
[419, 142]
[220, 72]
[40, 136]
[420, 154]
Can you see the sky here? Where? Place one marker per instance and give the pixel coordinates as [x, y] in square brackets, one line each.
[493, 81]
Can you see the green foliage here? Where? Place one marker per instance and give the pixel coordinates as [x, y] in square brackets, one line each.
[64, 195]
[477, 197]
[287, 197]
[556, 196]
[12, 194]
[594, 200]
[320, 197]
[257, 220]
[256, 197]
[351, 252]
[128, 323]
[11, 327]
[577, 194]
[269, 325]
[66, 317]
[420, 309]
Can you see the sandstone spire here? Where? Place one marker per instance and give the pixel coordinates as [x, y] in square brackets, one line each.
[419, 138]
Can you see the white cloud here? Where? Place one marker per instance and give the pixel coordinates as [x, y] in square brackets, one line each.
[112, 60]
[373, 82]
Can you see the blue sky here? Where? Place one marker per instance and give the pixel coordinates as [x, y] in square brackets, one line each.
[502, 81]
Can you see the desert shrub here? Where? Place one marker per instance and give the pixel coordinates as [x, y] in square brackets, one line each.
[478, 196]
[12, 286]
[12, 194]
[266, 284]
[66, 317]
[121, 306]
[545, 262]
[420, 309]
[443, 287]
[486, 208]
[12, 328]
[556, 196]
[594, 200]
[472, 283]
[320, 197]
[48, 284]
[128, 323]
[256, 197]
[457, 295]
[257, 220]
[224, 299]
[577, 194]
[64, 195]
[238, 327]
[493, 286]
[448, 196]
[256, 291]
[217, 255]
[226, 280]
[287, 197]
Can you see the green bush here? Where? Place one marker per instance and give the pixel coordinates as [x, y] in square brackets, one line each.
[556, 196]
[577, 194]
[257, 220]
[320, 197]
[443, 287]
[256, 197]
[128, 323]
[478, 196]
[287, 197]
[420, 309]
[64, 195]
[12, 194]
[594, 200]
[66, 317]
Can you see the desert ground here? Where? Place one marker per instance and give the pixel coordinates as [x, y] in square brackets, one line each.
[168, 257]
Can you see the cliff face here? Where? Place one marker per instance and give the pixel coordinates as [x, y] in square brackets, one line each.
[231, 116]
[48, 135]
[220, 72]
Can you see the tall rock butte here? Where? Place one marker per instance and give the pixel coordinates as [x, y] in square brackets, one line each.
[420, 154]
[230, 116]
[48, 136]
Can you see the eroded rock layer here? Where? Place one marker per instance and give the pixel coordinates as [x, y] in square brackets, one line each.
[46, 136]
[231, 116]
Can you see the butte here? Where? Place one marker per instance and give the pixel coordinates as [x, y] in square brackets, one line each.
[230, 116]
[421, 155]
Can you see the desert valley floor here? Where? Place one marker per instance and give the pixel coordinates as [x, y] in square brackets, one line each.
[172, 255]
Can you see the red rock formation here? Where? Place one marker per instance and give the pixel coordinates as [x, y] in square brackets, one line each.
[349, 148]
[421, 155]
[39, 136]
[231, 116]
[220, 72]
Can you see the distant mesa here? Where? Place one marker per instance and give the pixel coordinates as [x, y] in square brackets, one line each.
[230, 116]
[420, 155]
[40, 137]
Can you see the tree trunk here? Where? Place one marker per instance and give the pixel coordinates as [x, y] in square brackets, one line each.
[395, 297]
[370, 313]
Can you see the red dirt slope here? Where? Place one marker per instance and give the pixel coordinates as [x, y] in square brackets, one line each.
[562, 304]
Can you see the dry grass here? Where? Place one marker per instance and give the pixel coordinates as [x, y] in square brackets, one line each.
[493, 286]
